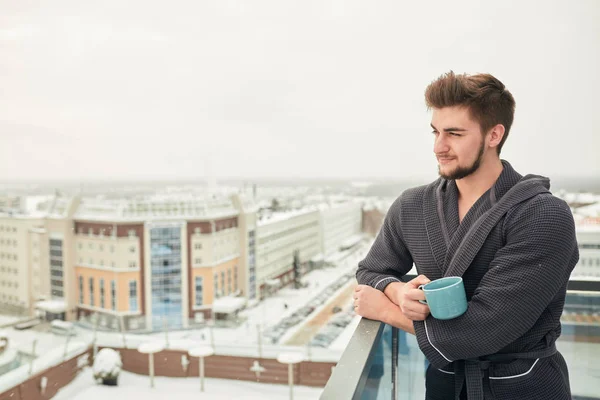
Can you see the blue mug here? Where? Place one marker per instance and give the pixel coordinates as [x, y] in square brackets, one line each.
[446, 297]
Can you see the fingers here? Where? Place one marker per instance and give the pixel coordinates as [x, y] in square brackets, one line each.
[414, 294]
[419, 280]
[414, 307]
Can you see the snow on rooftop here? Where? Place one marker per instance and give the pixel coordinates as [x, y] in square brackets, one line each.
[53, 306]
[275, 217]
[228, 304]
[155, 207]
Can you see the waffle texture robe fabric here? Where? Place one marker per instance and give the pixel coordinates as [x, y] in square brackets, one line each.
[515, 249]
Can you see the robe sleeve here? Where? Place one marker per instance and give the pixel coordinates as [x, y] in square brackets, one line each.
[523, 278]
[388, 259]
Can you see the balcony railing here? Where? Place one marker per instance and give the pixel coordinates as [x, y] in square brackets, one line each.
[382, 362]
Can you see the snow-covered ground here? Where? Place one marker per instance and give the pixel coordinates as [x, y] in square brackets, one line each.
[9, 319]
[132, 386]
[242, 341]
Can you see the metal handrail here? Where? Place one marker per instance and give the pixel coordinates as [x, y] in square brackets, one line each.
[348, 378]
[350, 375]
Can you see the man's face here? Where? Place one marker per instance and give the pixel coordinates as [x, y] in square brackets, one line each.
[459, 145]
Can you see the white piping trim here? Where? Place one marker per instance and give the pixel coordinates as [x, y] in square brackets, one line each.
[389, 277]
[432, 345]
[446, 372]
[516, 376]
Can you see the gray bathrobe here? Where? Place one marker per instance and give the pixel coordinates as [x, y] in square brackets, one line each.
[515, 250]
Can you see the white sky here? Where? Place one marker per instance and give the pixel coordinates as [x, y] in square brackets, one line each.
[276, 88]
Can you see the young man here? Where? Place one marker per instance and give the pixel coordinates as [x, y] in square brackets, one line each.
[510, 239]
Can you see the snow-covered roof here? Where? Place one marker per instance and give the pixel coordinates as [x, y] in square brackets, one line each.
[155, 207]
[592, 210]
[228, 304]
[53, 306]
[275, 217]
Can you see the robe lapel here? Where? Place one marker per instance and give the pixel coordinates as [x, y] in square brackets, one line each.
[479, 208]
[475, 237]
[436, 234]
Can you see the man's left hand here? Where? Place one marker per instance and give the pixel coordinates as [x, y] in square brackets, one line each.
[370, 303]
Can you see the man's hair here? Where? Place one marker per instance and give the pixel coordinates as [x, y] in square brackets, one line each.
[486, 98]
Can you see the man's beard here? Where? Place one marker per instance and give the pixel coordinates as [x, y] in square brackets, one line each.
[463, 172]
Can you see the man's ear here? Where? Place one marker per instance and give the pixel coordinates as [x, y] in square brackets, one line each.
[495, 135]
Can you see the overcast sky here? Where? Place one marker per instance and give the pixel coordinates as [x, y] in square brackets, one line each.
[167, 89]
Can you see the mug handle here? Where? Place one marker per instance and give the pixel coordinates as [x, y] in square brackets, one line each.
[422, 301]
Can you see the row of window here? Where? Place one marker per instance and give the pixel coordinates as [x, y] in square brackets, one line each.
[132, 249]
[8, 256]
[218, 227]
[133, 300]
[56, 268]
[4, 228]
[131, 264]
[10, 284]
[12, 299]
[590, 262]
[8, 242]
[224, 290]
[9, 270]
[90, 232]
[589, 245]
[287, 232]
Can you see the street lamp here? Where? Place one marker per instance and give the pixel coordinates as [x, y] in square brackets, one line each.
[150, 348]
[201, 352]
[290, 359]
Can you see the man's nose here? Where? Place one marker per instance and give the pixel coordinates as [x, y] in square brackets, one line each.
[440, 145]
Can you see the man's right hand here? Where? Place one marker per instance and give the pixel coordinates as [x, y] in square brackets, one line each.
[407, 296]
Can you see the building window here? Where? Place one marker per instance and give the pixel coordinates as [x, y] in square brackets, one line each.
[198, 261]
[223, 281]
[228, 281]
[198, 246]
[132, 249]
[235, 283]
[198, 290]
[132, 264]
[101, 247]
[112, 249]
[80, 289]
[216, 281]
[56, 268]
[133, 301]
[80, 246]
[92, 292]
[101, 293]
[113, 295]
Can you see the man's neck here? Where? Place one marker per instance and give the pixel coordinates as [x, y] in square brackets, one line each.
[473, 186]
